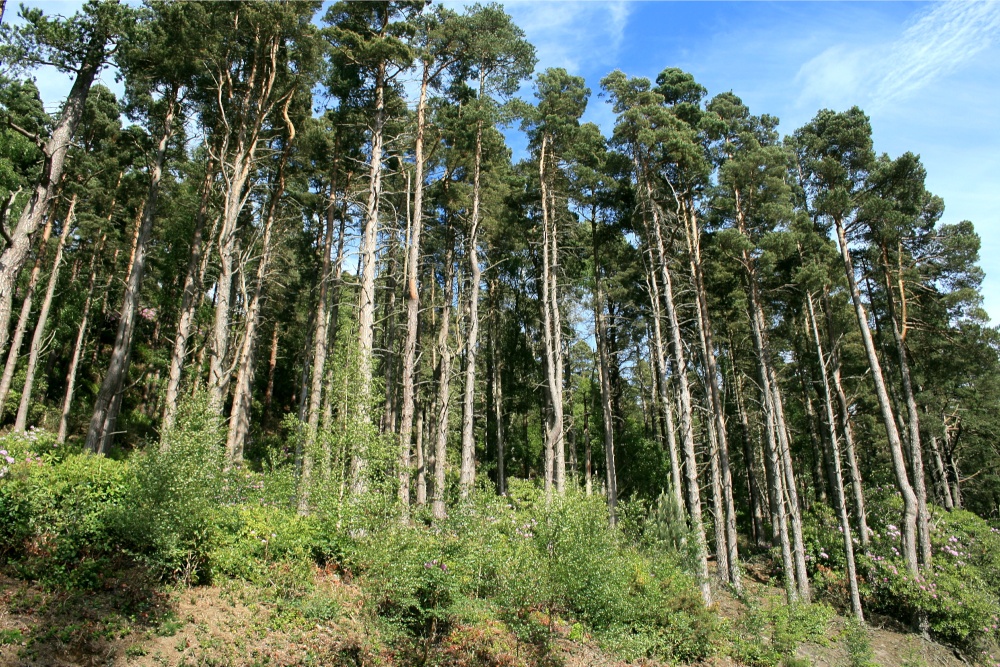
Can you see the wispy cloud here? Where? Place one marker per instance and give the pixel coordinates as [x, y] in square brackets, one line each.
[936, 44]
[575, 35]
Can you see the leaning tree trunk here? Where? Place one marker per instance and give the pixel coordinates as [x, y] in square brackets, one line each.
[899, 330]
[102, 424]
[22, 322]
[53, 159]
[38, 338]
[844, 417]
[909, 519]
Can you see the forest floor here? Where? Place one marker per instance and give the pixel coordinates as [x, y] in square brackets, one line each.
[134, 622]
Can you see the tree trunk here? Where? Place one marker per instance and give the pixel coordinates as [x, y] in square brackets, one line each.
[677, 488]
[81, 334]
[421, 460]
[102, 424]
[54, 158]
[408, 370]
[22, 322]
[717, 426]
[444, 382]
[844, 419]
[909, 518]
[467, 475]
[839, 500]
[683, 389]
[366, 312]
[38, 338]
[197, 266]
[898, 325]
[604, 371]
[555, 461]
[239, 421]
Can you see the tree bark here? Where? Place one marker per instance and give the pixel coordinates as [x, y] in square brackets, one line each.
[102, 424]
[839, 500]
[53, 160]
[909, 518]
[22, 322]
[444, 382]
[81, 334]
[239, 421]
[38, 338]
[197, 266]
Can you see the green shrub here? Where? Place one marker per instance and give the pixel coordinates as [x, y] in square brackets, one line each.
[766, 636]
[55, 508]
[858, 641]
[169, 513]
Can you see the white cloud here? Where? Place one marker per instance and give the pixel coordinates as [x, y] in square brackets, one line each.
[575, 35]
[939, 42]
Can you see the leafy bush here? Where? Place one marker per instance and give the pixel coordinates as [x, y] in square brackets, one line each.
[769, 636]
[55, 509]
[168, 518]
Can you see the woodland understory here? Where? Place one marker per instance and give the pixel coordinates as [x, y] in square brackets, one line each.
[292, 302]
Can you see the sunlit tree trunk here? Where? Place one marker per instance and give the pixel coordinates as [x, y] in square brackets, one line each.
[102, 423]
[38, 338]
[885, 406]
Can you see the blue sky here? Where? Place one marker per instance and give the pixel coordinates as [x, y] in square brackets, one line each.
[928, 75]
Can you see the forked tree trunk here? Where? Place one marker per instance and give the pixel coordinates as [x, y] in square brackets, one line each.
[408, 370]
[38, 338]
[239, 421]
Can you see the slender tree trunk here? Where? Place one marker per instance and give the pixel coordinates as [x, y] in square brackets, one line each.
[22, 322]
[420, 459]
[899, 327]
[844, 417]
[38, 338]
[942, 474]
[909, 519]
[684, 391]
[604, 371]
[717, 425]
[197, 266]
[753, 486]
[239, 421]
[102, 424]
[444, 383]
[81, 334]
[366, 312]
[408, 370]
[272, 367]
[36, 210]
[467, 475]
[498, 390]
[839, 499]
